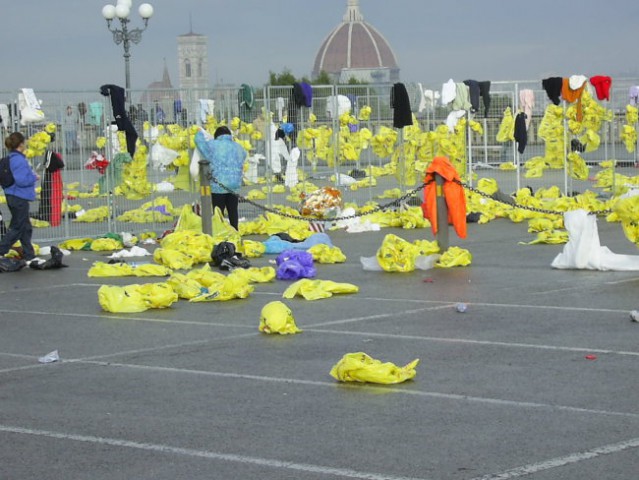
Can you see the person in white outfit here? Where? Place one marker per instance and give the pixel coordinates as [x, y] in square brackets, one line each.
[278, 151]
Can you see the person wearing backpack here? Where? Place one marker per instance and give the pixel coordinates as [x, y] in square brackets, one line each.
[19, 194]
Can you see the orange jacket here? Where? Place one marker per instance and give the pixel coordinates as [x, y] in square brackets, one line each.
[453, 193]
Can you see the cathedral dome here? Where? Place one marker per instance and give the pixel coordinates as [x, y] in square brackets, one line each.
[356, 49]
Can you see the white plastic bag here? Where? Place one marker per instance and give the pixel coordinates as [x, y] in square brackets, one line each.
[162, 157]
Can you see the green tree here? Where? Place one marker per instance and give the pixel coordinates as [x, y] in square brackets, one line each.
[285, 77]
[323, 79]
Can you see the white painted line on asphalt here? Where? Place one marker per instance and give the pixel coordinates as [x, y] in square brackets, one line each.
[377, 389]
[108, 316]
[162, 347]
[562, 461]
[381, 315]
[38, 289]
[189, 452]
[582, 287]
[550, 307]
[18, 355]
[475, 342]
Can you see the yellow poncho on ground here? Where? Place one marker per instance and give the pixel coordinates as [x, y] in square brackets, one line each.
[455, 257]
[325, 254]
[317, 289]
[277, 317]
[136, 298]
[360, 367]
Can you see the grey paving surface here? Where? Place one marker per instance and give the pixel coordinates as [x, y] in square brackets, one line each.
[195, 392]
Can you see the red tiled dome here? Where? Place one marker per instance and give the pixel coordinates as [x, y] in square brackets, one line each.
[354, 44]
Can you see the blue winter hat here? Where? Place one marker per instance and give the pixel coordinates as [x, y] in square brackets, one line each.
[288, 128]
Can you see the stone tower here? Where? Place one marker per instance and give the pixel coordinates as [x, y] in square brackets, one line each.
[193, 61]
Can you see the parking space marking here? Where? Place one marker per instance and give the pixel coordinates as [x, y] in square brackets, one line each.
[376, 388]
[189, 452]
[378, 316]
[475, 342]
[107, 316]
[562, 461]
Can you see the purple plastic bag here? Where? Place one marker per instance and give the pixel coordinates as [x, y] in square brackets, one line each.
[294, 270]
[299, 256]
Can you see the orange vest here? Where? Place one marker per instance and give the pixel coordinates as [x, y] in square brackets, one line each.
[452, 191]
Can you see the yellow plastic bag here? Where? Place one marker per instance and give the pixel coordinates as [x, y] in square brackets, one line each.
[184, 286]
[318, 289]
[94, 215]
[158, 295]
[252, 249]
[106, 245]
[101, 269]
[255, 274]
[233, 286]
[206, 277]
[188, 220]
[150, 270]
[196, 245]
[75, 243]
[121, 299]
[324, 254]
[455, 257]
[397, 255]
[360, 367]
[277, 317]
[223, 231]
[173, 259]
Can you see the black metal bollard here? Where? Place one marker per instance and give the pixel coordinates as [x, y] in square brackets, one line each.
[442, 215]
[205, 197]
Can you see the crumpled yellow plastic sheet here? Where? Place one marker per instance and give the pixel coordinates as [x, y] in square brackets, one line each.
[101, 269]
[253, 249]
[277, 317]
[455, 257]
[173, 259]
[188, 220]
[75, 243]
[318, 289]
[232, 287]
[196, 245]
[552, 237]
[185, 287]
[106, 245]
[397, 254]
[136, 298]
[325, 254]
[255, 274]
[360, 367]
[94, 215]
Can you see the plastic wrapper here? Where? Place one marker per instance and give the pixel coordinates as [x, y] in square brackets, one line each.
[318, 289]
[99, 214]
[136, 298]
[223, 231]
[206, 277]
[321, 203]
[277, 317]
[188, 220]
[324, 254]
[101, 269]
[360, 367]
[150, 270]
[455, 257]
[275, 244]
[295, 264]
[173, 259]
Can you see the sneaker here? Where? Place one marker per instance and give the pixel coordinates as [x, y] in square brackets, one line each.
[227, 265]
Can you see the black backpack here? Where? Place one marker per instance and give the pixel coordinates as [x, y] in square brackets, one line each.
[6, 175]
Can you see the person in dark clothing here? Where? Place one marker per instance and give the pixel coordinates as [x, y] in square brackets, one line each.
[51, 195]
[402, 114]
[18, 195]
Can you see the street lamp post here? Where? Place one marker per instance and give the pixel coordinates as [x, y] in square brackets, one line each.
[123, 35]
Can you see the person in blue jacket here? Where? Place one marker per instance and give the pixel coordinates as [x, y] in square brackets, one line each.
[226, 158]
[18, 195]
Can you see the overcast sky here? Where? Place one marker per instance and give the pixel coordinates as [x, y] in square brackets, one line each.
[52, 45]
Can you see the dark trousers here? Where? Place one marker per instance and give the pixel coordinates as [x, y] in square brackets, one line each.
[228, 202]
[19, 229]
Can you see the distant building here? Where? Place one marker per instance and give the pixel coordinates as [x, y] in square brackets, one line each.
[193, 61]
[158, 100]
[355, 49]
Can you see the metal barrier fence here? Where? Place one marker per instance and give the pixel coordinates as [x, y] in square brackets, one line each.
[90, 114]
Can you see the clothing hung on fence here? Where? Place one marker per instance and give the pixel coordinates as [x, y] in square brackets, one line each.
[453, 119]
[117, 95]
[473, 88]
[484, 93]
[602, 86]
[448, 92]
[633, 95]
[400, 103]
[245, 101]
[521, 134]
[462, 97]
[527, 103]
[572, 95]
[552, 86]
[453, 193]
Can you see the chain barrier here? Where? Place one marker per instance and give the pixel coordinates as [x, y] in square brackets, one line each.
[524, 207]
[394, 204]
